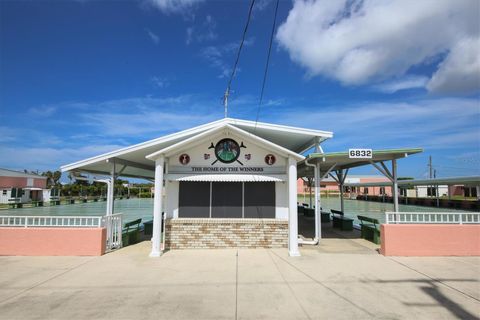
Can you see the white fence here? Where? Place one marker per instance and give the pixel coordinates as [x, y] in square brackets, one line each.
[432, 217]
[114, 225]
[51, 221]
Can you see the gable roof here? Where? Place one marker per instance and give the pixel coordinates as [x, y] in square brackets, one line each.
[296, 140]
[257, 140]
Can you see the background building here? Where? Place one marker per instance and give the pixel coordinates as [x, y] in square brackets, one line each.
[16, 186]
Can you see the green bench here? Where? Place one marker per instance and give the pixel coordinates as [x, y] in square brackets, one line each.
[309, 212]
[324, 216]
[130, 232]
[148, 228]
[300, 209]
[340, 221]
[370, 229]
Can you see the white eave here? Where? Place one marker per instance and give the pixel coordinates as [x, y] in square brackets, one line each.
[257, 140]
[295, 140]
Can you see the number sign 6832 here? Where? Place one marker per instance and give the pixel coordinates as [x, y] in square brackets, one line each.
[360, 153]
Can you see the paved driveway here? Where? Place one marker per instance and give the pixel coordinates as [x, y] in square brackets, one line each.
[340, 279]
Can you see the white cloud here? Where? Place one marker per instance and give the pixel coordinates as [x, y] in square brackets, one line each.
[33, 158]
[174, 6]
[222, 56]
[141, 123]
[155, 39]
[203, 32]
[460, 71]
[43, 111]
[357, 41]
[433, 124]
[160, 82]
[261, 5]
[189, 38]
[409, 82]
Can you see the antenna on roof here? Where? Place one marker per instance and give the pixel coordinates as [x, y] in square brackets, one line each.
[225, 101]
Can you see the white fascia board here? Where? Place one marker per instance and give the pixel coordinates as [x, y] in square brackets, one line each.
[141, 145]
[170, 149]
[117, 153]
[255, 139]
[260, 141]
[282, 128]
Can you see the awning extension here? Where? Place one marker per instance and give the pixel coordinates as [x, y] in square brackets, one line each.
[229, 178]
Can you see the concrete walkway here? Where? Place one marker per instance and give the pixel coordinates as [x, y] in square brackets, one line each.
[340, 279]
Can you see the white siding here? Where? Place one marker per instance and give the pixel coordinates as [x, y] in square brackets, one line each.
[281, 200]
[172, 200]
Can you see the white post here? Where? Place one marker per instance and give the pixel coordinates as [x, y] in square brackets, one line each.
[318, 224]
[292, 209]
[157, 208]
[108, 183]
[395, 185]
[110, 191]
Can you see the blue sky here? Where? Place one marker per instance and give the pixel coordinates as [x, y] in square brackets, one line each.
[82, 78]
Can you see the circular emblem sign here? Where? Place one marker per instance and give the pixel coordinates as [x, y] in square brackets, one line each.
[184, 159]
[227, 150]
[270, 159]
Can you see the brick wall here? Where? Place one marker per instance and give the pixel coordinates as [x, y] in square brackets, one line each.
[187, 233]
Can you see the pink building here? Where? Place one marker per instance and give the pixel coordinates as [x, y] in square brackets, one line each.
[16, 186]
[330, 186]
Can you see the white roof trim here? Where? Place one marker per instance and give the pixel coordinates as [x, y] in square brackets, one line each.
[277, 127]
[198, 129]
[259, 141]
[139, 146]
[230, 178]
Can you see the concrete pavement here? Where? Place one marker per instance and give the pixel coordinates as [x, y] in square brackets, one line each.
[340, 279]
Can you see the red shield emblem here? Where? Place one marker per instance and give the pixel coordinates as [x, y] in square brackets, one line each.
[270, 159]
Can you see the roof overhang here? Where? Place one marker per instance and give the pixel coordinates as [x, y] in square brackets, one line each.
[341, 160]
[132, 161]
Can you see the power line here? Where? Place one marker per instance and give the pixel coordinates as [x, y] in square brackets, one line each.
[267, 64]
[227, 91]
[268, 60]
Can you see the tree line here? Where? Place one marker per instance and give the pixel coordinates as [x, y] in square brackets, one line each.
[83, 188]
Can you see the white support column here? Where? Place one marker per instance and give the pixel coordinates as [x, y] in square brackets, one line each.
[395, 185]
[310, 182]
[110, 190]
[292, 209]
[157, 208]
[318, 203]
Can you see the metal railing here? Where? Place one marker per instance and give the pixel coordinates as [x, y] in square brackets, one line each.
[432, 217]
[114, 224]
[51, 221]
